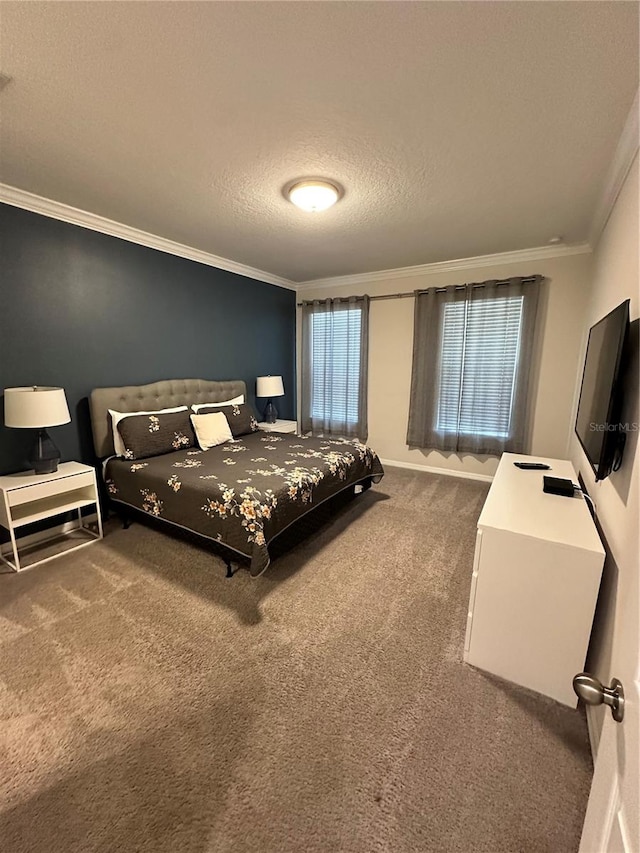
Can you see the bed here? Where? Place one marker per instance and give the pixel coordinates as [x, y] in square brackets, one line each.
[242, 494]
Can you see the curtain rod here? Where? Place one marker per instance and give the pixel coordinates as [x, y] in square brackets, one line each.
[528, 279]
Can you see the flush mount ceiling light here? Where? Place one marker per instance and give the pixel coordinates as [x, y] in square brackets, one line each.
[313, 195]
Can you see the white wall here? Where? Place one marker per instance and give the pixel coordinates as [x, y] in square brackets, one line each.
[616, 277]
[561, 322]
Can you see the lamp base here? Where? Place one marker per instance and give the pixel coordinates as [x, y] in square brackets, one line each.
[44, 455]
[270, 413]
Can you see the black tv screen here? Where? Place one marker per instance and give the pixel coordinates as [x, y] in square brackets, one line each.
[597, 422]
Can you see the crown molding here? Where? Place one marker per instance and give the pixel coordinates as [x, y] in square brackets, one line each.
[538, 253]
[626, 153]
[65, 213]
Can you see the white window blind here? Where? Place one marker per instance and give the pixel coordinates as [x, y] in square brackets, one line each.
[477, 368]
[335, 365]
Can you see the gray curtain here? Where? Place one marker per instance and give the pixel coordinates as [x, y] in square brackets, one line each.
[472, 353]
[335, 349]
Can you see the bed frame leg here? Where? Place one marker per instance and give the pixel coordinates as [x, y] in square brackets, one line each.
[126, 521]
[229, 573]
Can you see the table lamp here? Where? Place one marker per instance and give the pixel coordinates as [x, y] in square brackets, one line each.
[37, 407]
[269, 386]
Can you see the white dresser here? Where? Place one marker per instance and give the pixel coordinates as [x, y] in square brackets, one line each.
[536, 575]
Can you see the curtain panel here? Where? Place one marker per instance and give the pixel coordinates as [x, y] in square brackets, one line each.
[472, 352]
[335, 354]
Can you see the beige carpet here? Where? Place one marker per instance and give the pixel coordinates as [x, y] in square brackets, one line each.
[148, 704]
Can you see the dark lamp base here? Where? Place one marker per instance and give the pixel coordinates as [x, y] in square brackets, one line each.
[270, 413]
[44, 455]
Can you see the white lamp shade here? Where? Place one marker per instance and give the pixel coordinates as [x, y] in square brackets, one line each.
[35, 407]
[269, 386]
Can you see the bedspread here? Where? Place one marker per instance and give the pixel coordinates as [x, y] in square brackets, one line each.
[243, 493]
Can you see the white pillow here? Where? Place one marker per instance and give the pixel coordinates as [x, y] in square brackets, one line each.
[235, 402]
[211, 429]
[116, 417]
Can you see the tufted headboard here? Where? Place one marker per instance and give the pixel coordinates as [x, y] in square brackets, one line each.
[156, 395]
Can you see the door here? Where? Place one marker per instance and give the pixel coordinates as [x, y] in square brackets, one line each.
[612, 821]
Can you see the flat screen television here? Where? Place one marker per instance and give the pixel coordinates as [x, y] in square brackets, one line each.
[598, 428]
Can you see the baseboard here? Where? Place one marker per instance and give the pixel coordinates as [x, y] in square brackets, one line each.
[431, 469]
[49, 533]
[594, 731]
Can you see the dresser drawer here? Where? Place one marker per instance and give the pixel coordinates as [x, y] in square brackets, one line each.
[472, 592]
[28, 494]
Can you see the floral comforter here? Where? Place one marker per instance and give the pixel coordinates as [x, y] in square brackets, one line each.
[245, 492]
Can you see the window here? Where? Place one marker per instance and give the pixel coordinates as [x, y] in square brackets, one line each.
[334, 367]
[335, 358]
[480, 344]
[472, 352]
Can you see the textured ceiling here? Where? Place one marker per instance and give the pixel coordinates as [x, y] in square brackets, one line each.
[457, 129]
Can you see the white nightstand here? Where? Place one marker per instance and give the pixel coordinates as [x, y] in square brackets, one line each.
[27, 497]
[279, 426]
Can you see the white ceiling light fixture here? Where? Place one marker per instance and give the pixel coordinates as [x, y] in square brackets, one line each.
[313, 194]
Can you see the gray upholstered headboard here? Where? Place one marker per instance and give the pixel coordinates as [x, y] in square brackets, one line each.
[156, 395]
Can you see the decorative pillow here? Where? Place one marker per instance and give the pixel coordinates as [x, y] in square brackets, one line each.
[235, 402]
[116, 417]
[241, 418]
[211, 429]
[153, 435]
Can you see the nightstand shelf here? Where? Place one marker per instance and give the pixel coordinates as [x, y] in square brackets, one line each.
[279, 426]
[48, 507]
[27, 497]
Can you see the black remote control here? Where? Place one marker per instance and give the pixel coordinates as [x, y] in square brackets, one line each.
[532, 466]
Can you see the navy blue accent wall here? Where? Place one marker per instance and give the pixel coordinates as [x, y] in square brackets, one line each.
[83, 310]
